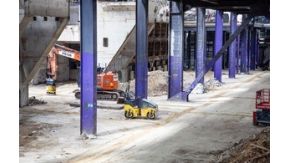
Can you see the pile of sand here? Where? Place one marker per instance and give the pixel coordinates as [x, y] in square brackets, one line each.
[157, 83]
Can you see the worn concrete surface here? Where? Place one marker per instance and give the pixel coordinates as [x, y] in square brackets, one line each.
[185, 132]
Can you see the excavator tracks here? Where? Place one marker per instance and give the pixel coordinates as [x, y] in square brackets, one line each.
[116, 95]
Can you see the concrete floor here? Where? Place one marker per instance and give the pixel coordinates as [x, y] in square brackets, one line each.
[185, 132]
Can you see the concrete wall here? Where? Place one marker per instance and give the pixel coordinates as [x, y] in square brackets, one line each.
[114, 21]
[62, 69]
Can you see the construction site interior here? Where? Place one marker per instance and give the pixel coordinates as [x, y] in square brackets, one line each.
[144, 81]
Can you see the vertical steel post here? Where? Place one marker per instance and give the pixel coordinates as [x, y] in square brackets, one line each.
[88, 67]
[238, 61]
[218, 43]
[200, 43]
[233, 51]
[188, 49]
[176, 49]
[253, 49]
[244, 50]
[257, 49]
[141, 66]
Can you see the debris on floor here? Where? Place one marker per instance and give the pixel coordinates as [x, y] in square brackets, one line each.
[33, 101]
[255, 149]
[212, 83]
[199, 89]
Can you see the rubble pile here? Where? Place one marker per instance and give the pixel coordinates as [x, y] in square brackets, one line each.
[212, 83]
[33, 101]
[199, 89]
[255, 149]
[157, 83]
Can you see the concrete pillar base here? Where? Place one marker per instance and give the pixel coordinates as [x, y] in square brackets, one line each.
[23, 96]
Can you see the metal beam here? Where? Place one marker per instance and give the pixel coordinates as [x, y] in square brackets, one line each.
[218, 43]
[257, 49]
[176, 49]
[253, 49]
[184, 94]
[238, 53]
[141, 66]
[188, 53]
[200, 43]
[88, 68]
[244, 51]
[233, 50]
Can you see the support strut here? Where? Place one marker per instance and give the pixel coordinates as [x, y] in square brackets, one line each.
[218, 43]
[141, 66]
[176, 49]
[184, 94]
[88, 68]
[233, 50]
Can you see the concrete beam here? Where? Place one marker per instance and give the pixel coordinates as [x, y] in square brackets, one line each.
[54, 8]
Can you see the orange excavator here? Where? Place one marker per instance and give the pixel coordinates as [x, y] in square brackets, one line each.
[107, 83]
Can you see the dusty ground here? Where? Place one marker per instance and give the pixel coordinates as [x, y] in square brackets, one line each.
[185, 132]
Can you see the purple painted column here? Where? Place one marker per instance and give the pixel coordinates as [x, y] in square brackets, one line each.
[244, 51]
[253, 50]
[238, 55]
[233, 50]
[88, 67]
[141, 66]
[257, 49]
[218, 43]
[200, 44]
[176, 49]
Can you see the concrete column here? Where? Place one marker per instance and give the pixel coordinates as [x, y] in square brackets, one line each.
[218, 43]
[200, 44]
[88, 67]
[244, 51]
[176, 49]
[233, 50]
[141, 66]
[23, 93]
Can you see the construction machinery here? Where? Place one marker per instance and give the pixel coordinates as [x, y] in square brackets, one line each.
[51, 87]
[107, 82]
[261, 116]
[51, 72]
[140, 108]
